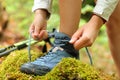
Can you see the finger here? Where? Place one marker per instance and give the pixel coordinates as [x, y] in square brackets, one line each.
[76, 36]
[80, 43]
[73, 40]
[37, 30]
[43, 35]
[32, 28]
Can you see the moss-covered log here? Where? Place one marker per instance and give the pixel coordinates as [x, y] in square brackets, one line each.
[67, 69]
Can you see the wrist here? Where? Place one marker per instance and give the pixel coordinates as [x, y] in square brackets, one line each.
[100, 18]
[41, 12]
[97, 21]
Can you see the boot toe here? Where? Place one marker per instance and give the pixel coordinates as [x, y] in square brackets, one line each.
[31, 68]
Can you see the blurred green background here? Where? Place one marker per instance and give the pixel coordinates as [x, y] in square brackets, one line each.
[20, 12]
[20, 18]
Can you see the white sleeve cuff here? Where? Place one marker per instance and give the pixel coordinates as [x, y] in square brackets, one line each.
[104, 8]
[42, 4]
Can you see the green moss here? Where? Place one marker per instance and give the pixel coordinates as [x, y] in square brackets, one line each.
[10, 66]
[72, 69]
[67, 69]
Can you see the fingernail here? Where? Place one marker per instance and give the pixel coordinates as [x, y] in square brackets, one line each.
[71, 41]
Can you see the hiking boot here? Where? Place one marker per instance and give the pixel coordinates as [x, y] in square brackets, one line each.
[61, 49]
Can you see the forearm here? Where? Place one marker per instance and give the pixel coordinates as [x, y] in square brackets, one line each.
[104, 8]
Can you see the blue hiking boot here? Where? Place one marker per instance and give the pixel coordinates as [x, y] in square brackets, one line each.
[61, 49]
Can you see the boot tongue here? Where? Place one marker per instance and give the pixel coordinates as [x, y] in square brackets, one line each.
[62, 36]
[61, 39]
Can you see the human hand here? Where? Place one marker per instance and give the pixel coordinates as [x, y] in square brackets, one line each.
[38, 26]
[86, 35]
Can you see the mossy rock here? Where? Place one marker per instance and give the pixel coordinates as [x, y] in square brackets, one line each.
[67, 69]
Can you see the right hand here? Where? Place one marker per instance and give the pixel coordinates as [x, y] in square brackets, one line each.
[38, 26]
[85, 36]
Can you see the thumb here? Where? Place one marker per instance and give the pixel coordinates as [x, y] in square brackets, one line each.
[45, 34]
[75, 36]
[73, 40]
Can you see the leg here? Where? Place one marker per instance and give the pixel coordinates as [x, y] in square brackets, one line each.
[70, 15]
[70, 11]
[113, 31]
